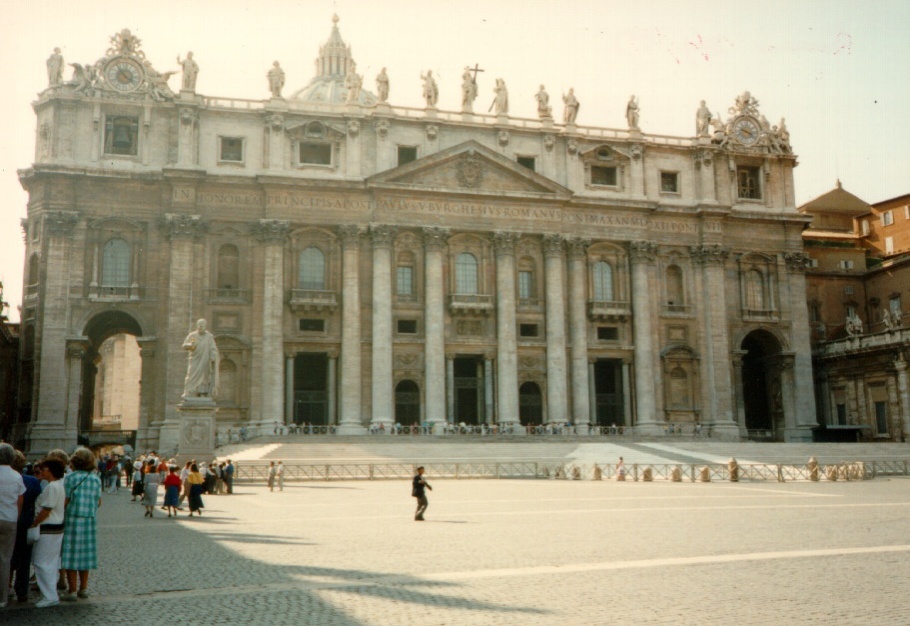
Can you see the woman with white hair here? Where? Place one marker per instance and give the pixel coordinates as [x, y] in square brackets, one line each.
[80, 534]
[12, 491]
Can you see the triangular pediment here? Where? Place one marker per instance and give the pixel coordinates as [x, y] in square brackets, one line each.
[469, 168]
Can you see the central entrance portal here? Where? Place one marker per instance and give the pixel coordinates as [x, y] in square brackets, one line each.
[468, 390]
[608, 391]
[311, 393]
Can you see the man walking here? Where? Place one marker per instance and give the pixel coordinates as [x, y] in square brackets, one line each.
[229, 476]
[418, 491]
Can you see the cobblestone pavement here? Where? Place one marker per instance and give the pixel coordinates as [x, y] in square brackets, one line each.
[506, 552]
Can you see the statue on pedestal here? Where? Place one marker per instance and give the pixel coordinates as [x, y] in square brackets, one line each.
[354, 82]
[632, 113]
[544, 110]
[572, 106]
[468, 91]
[702, 119]
[276, 79]
[202, 364]
[430, 89]
[190, 71]
[501, 101]
[55, 68]
[382, 86]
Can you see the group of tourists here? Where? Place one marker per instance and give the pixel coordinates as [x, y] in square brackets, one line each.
[47, 522]
[181, 484]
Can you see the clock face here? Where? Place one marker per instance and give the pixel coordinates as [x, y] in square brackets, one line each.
[746, 131]
[124, 75]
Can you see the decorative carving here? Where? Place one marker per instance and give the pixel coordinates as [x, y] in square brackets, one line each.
[854, 325]
[469, 328]
[275, 122]
[353, 128]
[276, 79]
[572, 146]
[350, 234]
[577, 247]
[530, 363]
[548, 142]
[703, 158]
[635, 150]
[188, 116]
[382, 235]
[435, 238]
[504, 242]
[23, 224]
[125, 42]
[468, 171]
[382, 127]
[271, 231]
[503, 138]
[85, 79]
[432, 132]
[706, 254]
[178, 226]
[407, 360]
[196, 432]
[797, 261]
[553, 245]
[61, 223]
[745, 105]
[75, 350]
[642, 251]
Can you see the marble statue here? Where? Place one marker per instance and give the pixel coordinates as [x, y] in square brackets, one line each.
[84, 77]
[745, 105]
[354, 83]
[159, 90]
[896, 318]
[887, 320]
[430, 89]
[501, 101]
[702, 119]
[572, 106]
[468, 91]
[276, 79]
[784, 134]
[55, 68]
[382, 86]
[854, 325]
[544, 110]
[190, 71]
[632, 113]
[202, 363]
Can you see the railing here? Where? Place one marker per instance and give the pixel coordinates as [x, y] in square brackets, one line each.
[107, 293]
[470, 303]
[233, 103]
[225, 295]
[314, 299]
[257, 471]
[608, 309]
[677, 309]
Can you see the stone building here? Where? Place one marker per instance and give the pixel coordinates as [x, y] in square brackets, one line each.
[857, 285]
[361, 263]
[9, 370]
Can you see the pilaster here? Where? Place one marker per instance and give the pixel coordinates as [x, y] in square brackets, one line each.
[805, 416]
[350, 422]
[434, 241]
[382, 396]
[557, 399]
[642, 255]
[507, 357]
[578, 329]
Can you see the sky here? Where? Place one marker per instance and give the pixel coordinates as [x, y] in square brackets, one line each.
[837, 70]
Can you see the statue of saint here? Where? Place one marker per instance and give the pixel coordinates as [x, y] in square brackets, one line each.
[544, 110]
[430, 89]
[468, 91]
[702, 119]
[382, 86]
[572, 106]
[55, 68]
[501, 101]
[158, 87]
[354, 82]
[887, 321]
[202, 364]
[190, 71]
[632, 113]
[276, 79]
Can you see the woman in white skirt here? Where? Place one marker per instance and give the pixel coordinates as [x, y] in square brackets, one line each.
[51, 505]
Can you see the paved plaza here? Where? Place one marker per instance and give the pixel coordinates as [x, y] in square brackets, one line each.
[503, 552]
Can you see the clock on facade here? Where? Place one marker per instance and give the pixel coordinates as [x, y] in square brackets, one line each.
[124, 74]
[746, 130]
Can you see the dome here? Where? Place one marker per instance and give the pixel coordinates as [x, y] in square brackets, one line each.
[333, 63]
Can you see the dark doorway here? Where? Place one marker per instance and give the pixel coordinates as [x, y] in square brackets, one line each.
[761, 381]
[530, 404]
[407, 403]
[468, 390]
[608, 391]
[311, 394]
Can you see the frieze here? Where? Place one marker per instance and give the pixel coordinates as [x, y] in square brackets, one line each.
[271, 231]
[177, 226]
[61, 223]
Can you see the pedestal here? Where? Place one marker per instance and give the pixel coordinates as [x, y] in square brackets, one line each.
[197, 428]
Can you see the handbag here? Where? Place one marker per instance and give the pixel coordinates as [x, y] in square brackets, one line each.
[32, 535]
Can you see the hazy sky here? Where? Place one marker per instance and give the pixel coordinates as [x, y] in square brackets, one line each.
[837, 70]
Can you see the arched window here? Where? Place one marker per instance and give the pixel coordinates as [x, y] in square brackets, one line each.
[675, 294]
[311, 269]
[407, 403]
[228, 267]
[115, 264]
[603, 282]
[530, 404]
[466, 274]
[227, 383]
[755, 292]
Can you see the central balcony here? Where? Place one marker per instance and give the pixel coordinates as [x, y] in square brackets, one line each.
[608, 310]
[470, 304]
[313, 301]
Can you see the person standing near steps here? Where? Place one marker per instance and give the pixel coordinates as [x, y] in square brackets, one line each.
[419, 485]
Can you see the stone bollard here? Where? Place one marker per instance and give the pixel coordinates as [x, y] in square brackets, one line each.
[646, 475]
[560, 473]
[598, 475]
[576, 473]
[676, 474]
[812, 466]
[733, 466]
[705, 474]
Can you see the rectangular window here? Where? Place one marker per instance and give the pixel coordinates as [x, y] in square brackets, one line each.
[841, 414]
[887, 218]
[601, 175]
[669, 182]
[406, 154]
[846, 265]
[607, 333]
[848, 290]
[528, 330]
[889, 245]
[231, 149]
[407, 327]
[315, 153]
[813, 262]
[748, 183]
[312, 325]
[865, 227]
[121, 135]
[907, 212]
[525, 285]
[851, 310]
[894, 305]
[527, 161]
[881, 418]
[405, 280]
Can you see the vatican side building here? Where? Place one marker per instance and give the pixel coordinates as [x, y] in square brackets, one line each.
[362, 265]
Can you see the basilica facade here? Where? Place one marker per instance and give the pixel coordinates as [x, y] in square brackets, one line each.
[362, 264]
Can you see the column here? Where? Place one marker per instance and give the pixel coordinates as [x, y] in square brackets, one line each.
[75, 358]
[186, 135]
[799, 425]
[289, 389]
[436, 368]
[737, 356]
[591, 391]
[489, 406]
[578, 330]
[717, 358]
[642, 255]
[557, 398]
[506, 341]
[148, 393]
[332, 417]
[349, 422]
[903, 391]
[383, 401]
[272, 234]
[50, 377]
[626, 393]
[274, 123]
[450, 387]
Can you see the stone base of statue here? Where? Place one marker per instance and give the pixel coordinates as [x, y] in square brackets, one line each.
[546, 122]
[383, 107]
[502, 118]
[278, 104]
[431, 112]
[197, 428]
[634, 133]
[571, 128]
[467, 116]
[704, 141]
[353, 108]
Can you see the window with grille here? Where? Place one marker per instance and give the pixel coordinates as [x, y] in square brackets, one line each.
[231, 149]
[311, 269]
[748, 183]
[115, 264]
[466, 274]
[526, 284]
[405, 280]
[603, 282]
[755, 290]
[228, 267]
[601, 175]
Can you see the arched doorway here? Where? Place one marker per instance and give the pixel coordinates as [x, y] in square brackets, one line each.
[530, 404]
[407, 403]
[111, 376]
[762, 393]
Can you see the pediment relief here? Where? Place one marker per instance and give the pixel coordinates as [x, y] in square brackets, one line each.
[470, 168]
[605, 154]
[315, 130]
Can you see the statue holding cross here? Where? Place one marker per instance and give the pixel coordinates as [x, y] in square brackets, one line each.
[469, 88]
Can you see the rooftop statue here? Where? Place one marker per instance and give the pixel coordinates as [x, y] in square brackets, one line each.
[745, 105]
[190, 71]
[159, 90]
[501, 101]
[702, 119]
[430, 89]
[276, 79]
[202, 364]
[354, 83]
[572, 106]
[544, 110]
[632, 113]
[382, 86]
[55, 68]
[84, 79]
[468, 91]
